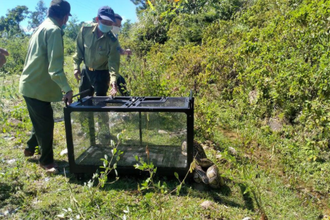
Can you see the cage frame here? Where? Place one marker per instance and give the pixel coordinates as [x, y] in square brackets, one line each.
[133, 106]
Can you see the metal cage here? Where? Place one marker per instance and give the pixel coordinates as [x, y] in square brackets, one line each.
[154, 129]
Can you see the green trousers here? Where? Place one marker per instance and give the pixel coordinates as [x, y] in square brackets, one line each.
[100, 80]
[41, 114]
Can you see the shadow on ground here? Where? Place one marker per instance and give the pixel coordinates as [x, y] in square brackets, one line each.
[130, 184]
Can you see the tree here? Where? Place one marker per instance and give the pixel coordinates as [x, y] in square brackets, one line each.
[142, 4]
[38, 16]
[10, 25]
[126, 28]
[73, 27]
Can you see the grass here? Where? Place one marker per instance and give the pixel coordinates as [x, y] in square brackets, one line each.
[256, 182]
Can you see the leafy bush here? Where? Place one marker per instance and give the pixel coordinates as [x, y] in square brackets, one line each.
[267, 61]
[17, 48]
[192, 31]
[69, 46]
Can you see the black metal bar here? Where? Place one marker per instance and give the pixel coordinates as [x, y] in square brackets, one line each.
[82, 92]
[91, 128]
[190, 132]
[90, 105]
[69, 140]
[140, 126]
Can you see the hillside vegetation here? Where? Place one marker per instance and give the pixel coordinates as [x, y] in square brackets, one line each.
[259, 71]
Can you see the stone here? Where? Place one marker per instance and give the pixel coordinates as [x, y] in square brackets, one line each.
[253, 96]
[162, 132]
[207, 204]
[64, 152]
[275, 125]
[232, 151]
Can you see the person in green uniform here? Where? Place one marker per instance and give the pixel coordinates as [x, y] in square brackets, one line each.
[99, 49]
[43, 81]
[3, 54]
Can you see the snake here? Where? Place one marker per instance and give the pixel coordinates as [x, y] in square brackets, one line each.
[204, 170]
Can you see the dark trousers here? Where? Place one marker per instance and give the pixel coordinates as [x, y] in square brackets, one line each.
[41, 114]
[100, 79]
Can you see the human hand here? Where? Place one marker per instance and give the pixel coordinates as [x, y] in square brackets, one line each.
[114, 88]
[3, 53]
[128, 52]
[67, 98]
[77, 74]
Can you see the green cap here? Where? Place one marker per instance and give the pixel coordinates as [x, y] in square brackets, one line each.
[60, 6]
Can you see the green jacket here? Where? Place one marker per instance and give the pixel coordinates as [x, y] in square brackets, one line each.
[43, 77]
[97, 53]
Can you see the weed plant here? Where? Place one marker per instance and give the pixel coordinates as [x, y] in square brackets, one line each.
[260, 79]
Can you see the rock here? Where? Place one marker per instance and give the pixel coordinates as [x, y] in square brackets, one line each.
[11, 161]
[207, 204]
[253, 96]
[9, 138]
[64, 152]
[232, 151]
[9, 212]
[275, 125]
[36, 201]
[14, 121]
[162, 132]
[61, 216]
[52, 171]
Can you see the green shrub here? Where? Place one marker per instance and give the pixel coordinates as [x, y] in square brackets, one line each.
[17, 48]
[69, 46]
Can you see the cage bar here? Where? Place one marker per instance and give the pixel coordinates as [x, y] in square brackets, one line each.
[163, 126]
